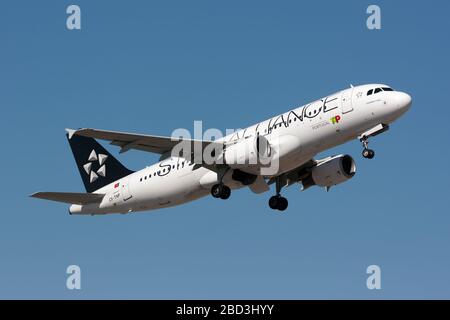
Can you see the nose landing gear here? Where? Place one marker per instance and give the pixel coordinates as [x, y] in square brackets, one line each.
[367, 153]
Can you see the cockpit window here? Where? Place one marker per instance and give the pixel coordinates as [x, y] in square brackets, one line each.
[377, 90]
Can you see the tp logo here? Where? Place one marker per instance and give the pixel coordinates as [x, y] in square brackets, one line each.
[374, 280]
[74, 279]
[335, 119]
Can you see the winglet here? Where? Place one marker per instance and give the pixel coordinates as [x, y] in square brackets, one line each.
[70, 132]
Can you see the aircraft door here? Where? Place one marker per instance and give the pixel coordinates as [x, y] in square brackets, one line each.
[346, 100]
[125, 189]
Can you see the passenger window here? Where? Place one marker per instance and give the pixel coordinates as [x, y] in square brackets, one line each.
[377, 90]
[369, 92]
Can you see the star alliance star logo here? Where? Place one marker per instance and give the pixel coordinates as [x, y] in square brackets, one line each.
[93, 157]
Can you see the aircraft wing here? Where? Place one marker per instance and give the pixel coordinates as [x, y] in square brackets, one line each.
[70, 197]
[143, 142]
[295, 175]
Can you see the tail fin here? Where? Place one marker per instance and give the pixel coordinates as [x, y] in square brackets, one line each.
[96, 165]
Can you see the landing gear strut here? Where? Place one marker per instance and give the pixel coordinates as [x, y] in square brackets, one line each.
[367, 153]
[220, 191]
[277, 202]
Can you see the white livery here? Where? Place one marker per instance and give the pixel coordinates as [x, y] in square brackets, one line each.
[276, 151]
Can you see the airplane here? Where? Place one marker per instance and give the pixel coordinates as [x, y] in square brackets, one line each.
[244, 158]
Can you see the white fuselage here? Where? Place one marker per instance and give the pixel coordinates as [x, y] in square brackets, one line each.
[298, 135]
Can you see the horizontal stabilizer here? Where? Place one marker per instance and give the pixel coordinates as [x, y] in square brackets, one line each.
[70, 197]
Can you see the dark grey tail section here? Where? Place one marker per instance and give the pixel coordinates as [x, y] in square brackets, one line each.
[96, 165]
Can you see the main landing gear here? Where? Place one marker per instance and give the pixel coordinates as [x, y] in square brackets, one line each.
[220, 191]
[367, 153]
[277, 202]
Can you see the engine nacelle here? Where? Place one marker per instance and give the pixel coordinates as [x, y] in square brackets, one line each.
[250, 151]
[330, 172]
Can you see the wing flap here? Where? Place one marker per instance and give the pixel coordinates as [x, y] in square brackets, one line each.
[69, 197]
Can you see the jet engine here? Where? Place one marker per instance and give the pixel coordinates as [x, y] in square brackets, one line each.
[248, 151]
[331, 171]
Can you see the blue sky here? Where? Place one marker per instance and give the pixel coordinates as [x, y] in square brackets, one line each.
[153, 66]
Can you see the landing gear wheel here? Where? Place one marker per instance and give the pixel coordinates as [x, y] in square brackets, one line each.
[282, 204]
[278, 203]
[217, 190]
[220, 191]
[273, 202]
[226, 192]
[368, 153]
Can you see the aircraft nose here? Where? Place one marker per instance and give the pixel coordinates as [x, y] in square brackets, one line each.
[404, 101]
